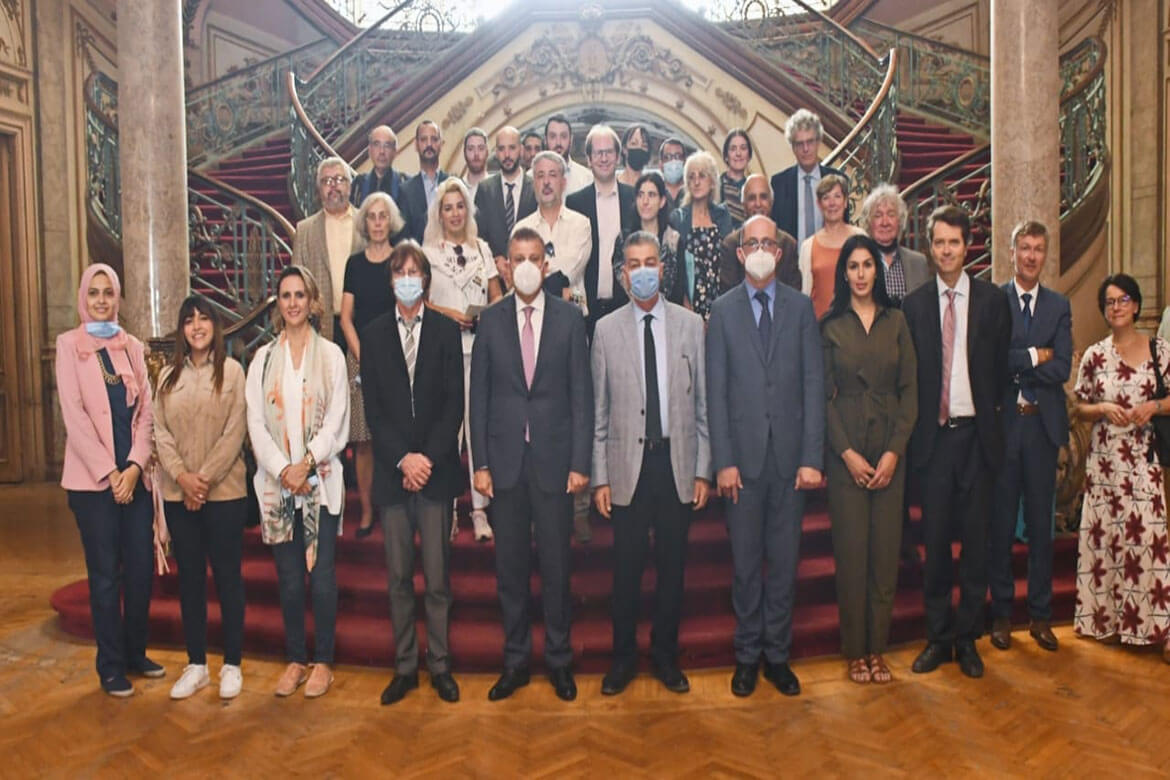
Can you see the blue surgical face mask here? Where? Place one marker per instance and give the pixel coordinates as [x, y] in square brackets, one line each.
[644, 282]
[408, 289]
[103, 329]
[672, 171]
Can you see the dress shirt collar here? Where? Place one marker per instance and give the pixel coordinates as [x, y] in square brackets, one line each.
[768, 290]
[517, 179]
[962, 287]
[610, 192]
[537, 305]
[1020, 291]
[658, 310]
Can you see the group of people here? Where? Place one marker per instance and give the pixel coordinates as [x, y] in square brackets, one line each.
[646, 343]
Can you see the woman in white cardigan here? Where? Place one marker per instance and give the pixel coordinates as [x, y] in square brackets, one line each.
[298, 420]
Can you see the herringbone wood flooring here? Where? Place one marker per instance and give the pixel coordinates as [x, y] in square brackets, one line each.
[1087, 709]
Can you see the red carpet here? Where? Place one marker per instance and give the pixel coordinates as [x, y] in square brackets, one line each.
[363, 626]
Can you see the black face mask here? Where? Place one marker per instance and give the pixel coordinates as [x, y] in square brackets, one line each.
[637, 158]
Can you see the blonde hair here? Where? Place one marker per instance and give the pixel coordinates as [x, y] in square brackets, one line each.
[316, 308]
[433, 234]
[706, 165]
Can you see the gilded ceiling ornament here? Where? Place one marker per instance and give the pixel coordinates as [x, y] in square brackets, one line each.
[457, 112]
[731, 102]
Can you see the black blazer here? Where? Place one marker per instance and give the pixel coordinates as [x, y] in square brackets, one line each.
[558, 409]
[989, 330]
[489, 210]
[1052, 328]
[366, 183]
[784, 199]
[414, 206]
[584, 201]
[433, 426]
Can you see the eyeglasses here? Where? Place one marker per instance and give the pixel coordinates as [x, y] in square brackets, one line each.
[669, 157]
[807, 144]
[549, 249]
[383, 145]
[1122, 301]
[768, 245]
[604, 154]
[332, 181]
[459, 258]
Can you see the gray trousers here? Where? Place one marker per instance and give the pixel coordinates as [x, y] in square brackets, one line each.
[432, 520]
[765, 525]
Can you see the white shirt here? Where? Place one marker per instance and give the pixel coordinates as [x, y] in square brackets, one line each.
[801, 205]
[537, 321]
[962, 402]
[331, 437]
[458, 288]
[577, 177]
[609, 227]
[1032, 353]
[658, 330]
[572, 239]
[339, 244]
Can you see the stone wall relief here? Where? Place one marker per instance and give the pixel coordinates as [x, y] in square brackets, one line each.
[13, 43]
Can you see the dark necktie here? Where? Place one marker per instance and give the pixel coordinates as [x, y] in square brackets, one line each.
[765, 323]
[1028, 392]
[509, 208]
[653, 404]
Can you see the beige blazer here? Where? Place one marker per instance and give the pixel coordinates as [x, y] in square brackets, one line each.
[312, 251]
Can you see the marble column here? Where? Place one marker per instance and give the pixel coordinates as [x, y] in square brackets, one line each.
[1025, 126]
[152, 144]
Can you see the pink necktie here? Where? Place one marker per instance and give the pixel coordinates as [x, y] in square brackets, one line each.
[948, 358]
[528, 347]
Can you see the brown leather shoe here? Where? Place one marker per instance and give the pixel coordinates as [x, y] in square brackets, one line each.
[319, 681]
[1042, 633]
[1001, 633]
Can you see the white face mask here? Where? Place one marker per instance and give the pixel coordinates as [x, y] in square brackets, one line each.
[759, 264]
[527, 278]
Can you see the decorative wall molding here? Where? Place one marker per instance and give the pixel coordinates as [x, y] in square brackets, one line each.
[13, 43]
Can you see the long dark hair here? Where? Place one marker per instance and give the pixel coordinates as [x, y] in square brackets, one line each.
[655, 178]
[192, 304]
[842, 295]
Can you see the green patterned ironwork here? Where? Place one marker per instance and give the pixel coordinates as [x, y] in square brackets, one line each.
[966, 183]
[1083, 131]
[103, 175]
[870, 157]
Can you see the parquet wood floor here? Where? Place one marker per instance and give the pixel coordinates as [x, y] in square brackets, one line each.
[1088, 709]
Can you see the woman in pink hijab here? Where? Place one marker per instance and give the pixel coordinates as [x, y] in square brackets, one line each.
[105, 402]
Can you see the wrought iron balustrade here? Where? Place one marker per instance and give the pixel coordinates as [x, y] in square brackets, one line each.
[869, 153]
[103, 177]
[965, 182]
[1083, 140]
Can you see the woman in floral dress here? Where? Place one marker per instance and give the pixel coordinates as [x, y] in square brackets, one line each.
[701, 224]
[1123, 563]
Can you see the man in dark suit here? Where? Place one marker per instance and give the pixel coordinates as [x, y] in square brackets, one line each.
[961, 328]
[382, 147]
[1035, 422]
[412, 380]
[420, 189]
[653, 478]
[794, 209]
[532, 435]
[756, 196]
[609, 205]
[766, 415]
[504, 198]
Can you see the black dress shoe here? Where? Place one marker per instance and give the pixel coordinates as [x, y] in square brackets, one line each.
[146, 667]
[672, 677]
[935, 654]
[562, 683]
[743, 682]
[970, 663]
[363, 532]
[509, 681]
[445, 685]
[398, 687]
[1042, 633]
[617, 678]
[1001, 633]
[782, 676]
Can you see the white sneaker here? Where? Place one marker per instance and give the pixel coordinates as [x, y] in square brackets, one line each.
[231, 680]
[483, 531]
[194, 678]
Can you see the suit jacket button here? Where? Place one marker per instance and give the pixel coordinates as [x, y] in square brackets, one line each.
[639, 440]
[643, 412]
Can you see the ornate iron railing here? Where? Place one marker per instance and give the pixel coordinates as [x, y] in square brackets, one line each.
[246, 104]
[103, 176]
[238, 245]
[965, 182]
[245, 335]
[1083, 134]
[869, 153]
[938, 80]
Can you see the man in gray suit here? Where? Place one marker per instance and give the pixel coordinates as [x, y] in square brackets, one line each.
[766, 413]
[883, 216]
[325, 240]
[651, 454]
[532, 432]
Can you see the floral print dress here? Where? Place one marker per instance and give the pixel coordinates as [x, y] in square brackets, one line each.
[1123, 558]
[702, 258]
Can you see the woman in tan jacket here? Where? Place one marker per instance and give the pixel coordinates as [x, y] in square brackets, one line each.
[199, 434]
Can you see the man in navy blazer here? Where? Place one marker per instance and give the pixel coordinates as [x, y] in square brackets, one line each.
[531, 413]
[419, 190]
[1035, 425]
[766, 416]
[794, 204]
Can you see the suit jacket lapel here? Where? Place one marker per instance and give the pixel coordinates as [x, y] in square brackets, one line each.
[634, 354]
[542, 356]
[748, 323]
[514, 340]
[777, 325]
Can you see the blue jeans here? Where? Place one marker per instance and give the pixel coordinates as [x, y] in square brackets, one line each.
[290, 570]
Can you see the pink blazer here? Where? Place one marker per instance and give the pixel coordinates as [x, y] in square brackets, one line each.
[85, 407]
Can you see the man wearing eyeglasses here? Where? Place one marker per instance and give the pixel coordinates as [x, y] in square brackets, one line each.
[325, 240]
[382, 148]
[795, 208]
[756, 196]
[1035, 428]
[609, 207]
[420, 189]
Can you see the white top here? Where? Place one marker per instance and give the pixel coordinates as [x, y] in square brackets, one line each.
[577, 177]
[457, 288]
[537, 321]
[609, 227]
[339, 244]
[572, 239]
[330, 440]
[962, 402]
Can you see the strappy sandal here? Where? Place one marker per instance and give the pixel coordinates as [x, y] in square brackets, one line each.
[859, 671]
[878, 671]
